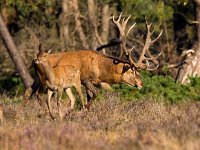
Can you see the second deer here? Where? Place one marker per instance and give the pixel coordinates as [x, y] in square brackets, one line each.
[58, 79]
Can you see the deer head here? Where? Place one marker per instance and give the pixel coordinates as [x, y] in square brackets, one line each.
[42, 52]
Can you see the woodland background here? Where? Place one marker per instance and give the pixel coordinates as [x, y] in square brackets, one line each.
[72, 24]
[164, 114]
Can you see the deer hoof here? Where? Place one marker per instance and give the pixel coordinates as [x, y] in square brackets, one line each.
[87, 106]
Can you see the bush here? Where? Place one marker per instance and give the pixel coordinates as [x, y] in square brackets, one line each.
[161, 87]
[156, 86]
[11, 85]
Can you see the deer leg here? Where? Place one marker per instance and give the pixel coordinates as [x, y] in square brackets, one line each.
[79, 90]
[91, 95]
[71, 97]
[26, 97]
[40, 100]
[31, 90]
[58, 103]
[91, 92]
[49, 104]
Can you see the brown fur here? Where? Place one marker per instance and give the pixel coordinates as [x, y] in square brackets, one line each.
[99, 68]
[95, 68]
[59, 78]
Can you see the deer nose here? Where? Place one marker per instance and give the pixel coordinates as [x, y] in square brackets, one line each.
[36, 61]
[139, 86]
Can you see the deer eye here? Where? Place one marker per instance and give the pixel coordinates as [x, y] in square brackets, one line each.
[125, 68]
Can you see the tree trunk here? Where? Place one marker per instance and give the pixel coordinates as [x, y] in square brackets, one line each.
[78, 26]
[64, 27]
[105, 24]
[13, 52]
[192, 67]
[92, 13]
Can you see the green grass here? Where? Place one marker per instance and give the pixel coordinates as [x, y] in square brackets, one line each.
[11, 85]
[155, 86]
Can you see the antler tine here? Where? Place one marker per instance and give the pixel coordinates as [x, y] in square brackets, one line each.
[147, 44]
[151, 32]
[157, 37]
[149, 27]
[117, 22]
[132, 63]
[148, 64]
[130, 29]
[125, 21]
[149, 69]
[132, 48]
[121, 24]
[152, 58]
[119, 18]
[153, 29]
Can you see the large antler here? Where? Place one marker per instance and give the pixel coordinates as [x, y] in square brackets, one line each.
[122, 27]
[148, 43]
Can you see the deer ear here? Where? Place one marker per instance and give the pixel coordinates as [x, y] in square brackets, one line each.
[40, 47]
[50, 49]
[41, 52]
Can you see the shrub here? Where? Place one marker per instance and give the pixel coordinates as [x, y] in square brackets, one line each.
[161, 87]
[156, 86]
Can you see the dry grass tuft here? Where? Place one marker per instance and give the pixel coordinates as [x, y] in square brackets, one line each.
[110, 124]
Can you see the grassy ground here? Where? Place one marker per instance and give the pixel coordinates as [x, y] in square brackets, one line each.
[110, 124]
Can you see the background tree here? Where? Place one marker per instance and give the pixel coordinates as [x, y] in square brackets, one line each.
[192, 68]
[12, 49]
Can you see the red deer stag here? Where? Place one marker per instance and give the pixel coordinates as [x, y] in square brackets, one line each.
[59, 78]
[96, 68]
